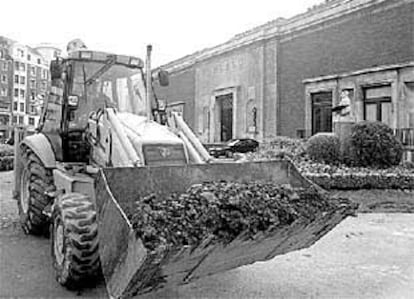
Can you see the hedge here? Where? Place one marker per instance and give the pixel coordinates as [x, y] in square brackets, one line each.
[339, 176]
[373, 144]
[354, 181]
[6, 150]
[323, 147]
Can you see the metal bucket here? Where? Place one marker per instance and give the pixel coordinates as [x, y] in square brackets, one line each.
[129, 268]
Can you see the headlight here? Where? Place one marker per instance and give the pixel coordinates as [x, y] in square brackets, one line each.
[85, 55]
[73, 101]
[134, 61]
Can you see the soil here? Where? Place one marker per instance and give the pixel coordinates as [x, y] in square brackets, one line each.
[368, 256]
[224, 210]
[380, 201]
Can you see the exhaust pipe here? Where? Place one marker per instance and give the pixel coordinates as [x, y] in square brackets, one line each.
[148, 82]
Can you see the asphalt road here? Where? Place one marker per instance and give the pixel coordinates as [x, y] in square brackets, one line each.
[368, 256]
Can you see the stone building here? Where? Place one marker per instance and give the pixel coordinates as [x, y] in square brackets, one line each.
[283, 78]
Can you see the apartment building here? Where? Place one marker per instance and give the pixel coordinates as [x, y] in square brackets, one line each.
[24, 75]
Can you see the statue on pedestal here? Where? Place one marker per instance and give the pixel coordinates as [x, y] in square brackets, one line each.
[343, 111]
[343, 120]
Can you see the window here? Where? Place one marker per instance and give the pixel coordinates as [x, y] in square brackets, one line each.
[409, 91]
[16, 92]
[377, 104]
[16, 65]
[15, 106]
[33, 71]
[22, 93]
[15, 119]
[22, 80]
[22, 67]
[32, 95]
[32, 83]
[44, 74]
[16, 79]
[39, 61]
[22, 107]
[1, 54]
[29, 57]
[321, 112]
[3, 78]
[20, 52]
[3, 92]
[21, 120]
[44, 84]
[31, 121]
[32, 109]
[5, 66]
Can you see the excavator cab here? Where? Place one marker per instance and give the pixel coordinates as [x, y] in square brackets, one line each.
[89, 82]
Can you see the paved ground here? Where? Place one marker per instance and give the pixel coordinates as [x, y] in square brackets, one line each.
[369, 256]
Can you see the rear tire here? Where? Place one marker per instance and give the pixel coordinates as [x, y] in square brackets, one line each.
[75, 241]
[36, 180]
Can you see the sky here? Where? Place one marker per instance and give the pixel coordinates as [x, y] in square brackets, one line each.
[175, 28]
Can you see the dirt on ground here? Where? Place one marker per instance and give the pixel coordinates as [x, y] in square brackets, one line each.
[380, 201]
[368, 256]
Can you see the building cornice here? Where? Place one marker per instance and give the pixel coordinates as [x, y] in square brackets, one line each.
[375, 69]
[327, 11]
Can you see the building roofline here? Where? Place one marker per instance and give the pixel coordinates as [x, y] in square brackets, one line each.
[326, 11]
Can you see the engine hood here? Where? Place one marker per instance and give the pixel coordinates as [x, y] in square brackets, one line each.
[147, 131]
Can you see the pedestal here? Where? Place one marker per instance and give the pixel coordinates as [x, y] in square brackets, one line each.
[343, 130]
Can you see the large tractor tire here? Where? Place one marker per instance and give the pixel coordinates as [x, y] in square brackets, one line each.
[35, 181]
[74, 237]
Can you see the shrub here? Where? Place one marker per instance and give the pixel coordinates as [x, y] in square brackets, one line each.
[6, 163]
[323, 147]
[373, 144]
[6, 150]
[408, 165]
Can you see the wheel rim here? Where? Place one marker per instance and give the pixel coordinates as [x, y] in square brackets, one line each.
[24, 191]
[58, 241]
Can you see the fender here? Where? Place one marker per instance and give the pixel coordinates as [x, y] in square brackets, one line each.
[41, 146]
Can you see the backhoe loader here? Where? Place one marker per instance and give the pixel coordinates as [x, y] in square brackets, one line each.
[100, 144]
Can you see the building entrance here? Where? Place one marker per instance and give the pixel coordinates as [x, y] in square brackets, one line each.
[225, 104]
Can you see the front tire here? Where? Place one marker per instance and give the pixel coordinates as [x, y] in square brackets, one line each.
[35, 181]
[75, 241]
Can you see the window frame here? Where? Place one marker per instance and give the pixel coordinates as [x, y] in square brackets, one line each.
[322, 106]
[378, 101]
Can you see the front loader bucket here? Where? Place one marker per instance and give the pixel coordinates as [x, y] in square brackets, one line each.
[130, 269]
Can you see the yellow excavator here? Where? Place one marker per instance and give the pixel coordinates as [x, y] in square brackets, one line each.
[101, 144]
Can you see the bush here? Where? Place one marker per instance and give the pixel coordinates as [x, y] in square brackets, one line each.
[6, 150]
[278, 148]
[323, 147]
[373, 144]
[6, 163]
